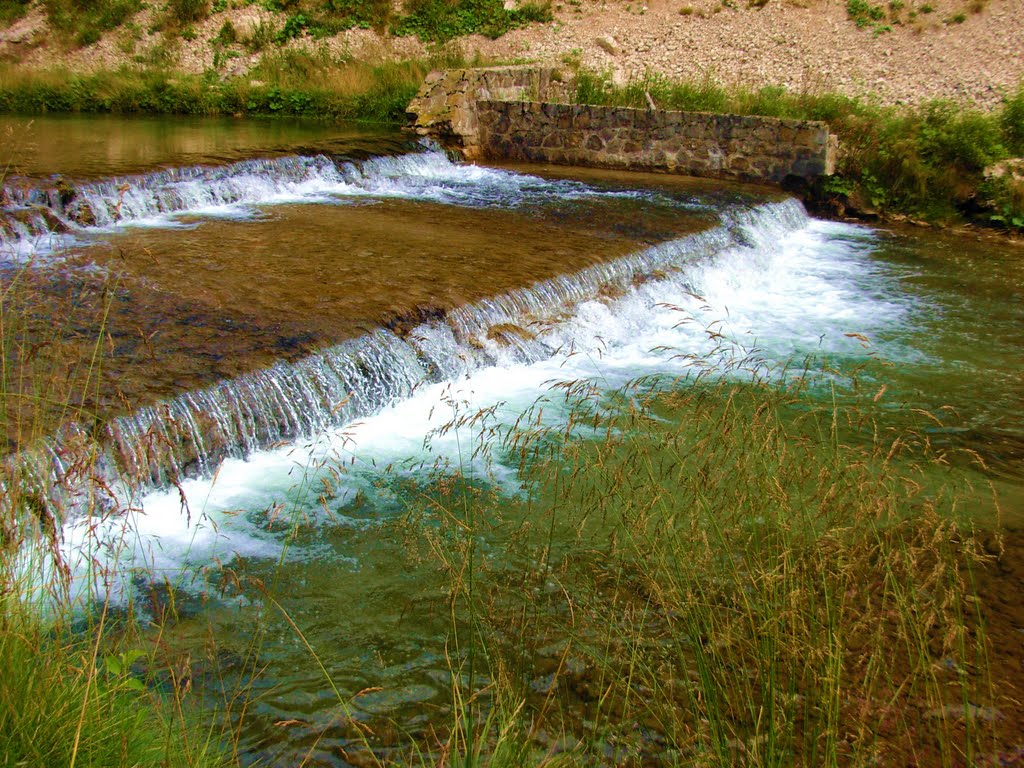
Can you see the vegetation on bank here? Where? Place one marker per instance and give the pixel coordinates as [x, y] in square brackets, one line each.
[926, 161]
[283, 83]
[81, 23]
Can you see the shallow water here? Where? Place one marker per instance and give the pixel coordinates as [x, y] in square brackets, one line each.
[300, 315]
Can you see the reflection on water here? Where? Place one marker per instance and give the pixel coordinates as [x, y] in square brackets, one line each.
[99, 146]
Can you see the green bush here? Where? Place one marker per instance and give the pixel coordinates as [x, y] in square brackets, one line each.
[951, 135]
[85, 21]
[188, 11]
[12, 10]
[1012, 121]
[443, 20]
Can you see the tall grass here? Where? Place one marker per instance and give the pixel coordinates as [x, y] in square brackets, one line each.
[924, 161]
[79, 683]
[717, 574]
[284, 83]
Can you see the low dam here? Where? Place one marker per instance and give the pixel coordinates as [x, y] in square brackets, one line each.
[524, 114]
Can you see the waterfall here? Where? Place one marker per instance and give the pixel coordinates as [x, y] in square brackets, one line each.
[44, 218]
[192, 433]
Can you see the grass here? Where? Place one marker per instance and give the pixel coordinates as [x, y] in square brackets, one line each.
[716, 574]
[83, 22]
[925, 161]
[283, 83]
[79, 684]
[12, 10]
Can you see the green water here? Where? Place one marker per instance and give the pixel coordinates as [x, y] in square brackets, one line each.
[327, 584]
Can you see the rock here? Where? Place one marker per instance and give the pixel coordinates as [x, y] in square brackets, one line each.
[84, 215]
[1013, 168]
[608, 44]
[971, 712]
[65, 190]
[246, 26]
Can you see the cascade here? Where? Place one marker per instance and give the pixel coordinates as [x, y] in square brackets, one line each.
[192, 433]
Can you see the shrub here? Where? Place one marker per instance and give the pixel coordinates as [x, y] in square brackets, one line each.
[84, 22]
[11, 10]
[443, 20]
[227, 35]
[188, 11]
[1012, 121]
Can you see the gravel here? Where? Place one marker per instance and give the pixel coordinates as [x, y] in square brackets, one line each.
[804, 45]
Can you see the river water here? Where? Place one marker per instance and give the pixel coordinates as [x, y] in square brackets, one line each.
[296, 307]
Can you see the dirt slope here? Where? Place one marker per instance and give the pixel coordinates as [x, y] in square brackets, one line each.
[968, 50]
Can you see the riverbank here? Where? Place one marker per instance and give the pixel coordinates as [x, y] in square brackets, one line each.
[904, 52]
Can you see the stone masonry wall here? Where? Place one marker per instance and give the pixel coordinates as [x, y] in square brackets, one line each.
[446, 107]
[513, 113]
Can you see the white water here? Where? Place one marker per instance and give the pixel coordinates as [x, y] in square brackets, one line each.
[35, 222]
[769, 287]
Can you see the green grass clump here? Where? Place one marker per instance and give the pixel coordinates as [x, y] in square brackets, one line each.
[12, 10]
[1012, 122]
[288, 83]
[443, 20]
[83, 22]
[65, 701]
[185, 12]
[716, 574]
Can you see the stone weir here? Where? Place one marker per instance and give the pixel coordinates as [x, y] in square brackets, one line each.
[525, 114]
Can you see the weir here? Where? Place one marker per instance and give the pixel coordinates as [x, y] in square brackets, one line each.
[525, 114]
[190, 435]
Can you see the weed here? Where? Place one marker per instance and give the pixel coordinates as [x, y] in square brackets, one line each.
[1011, 121]
[295, 26]
[443, 20]
[263, 34]
[12, 10]
[185, 12]
[85, 22]
[864, 14]
[227, 34]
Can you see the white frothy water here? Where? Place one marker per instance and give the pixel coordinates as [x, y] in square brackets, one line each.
[771, 285]
[36, 221]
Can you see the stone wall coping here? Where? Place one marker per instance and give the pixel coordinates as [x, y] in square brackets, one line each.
[789, 122]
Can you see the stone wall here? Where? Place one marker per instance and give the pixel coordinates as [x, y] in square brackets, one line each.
[447, 105]
[691, 143]
[519, 113]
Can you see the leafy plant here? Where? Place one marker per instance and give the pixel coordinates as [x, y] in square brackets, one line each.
[295, 26]
[443, 20]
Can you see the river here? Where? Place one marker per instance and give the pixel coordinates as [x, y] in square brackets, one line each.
[293, 307]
